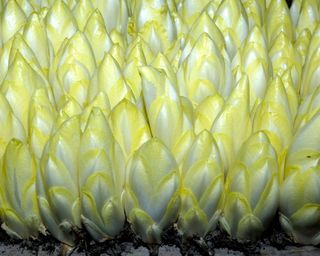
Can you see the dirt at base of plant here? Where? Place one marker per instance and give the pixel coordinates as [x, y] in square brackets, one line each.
[273, 242]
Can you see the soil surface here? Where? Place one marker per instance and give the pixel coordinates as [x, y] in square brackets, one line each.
[273, 242]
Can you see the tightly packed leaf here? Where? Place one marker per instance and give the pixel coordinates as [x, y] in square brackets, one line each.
[202, 188]
[195, 115]
[20, 209]
[155, 207]
[101, 178]
[252, 189]
[58, 181]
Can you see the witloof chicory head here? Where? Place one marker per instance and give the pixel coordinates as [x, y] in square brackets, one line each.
[152, 190]
[252, 190]
[20, 207]
[58, 182]
[202, 191]
[101, 179]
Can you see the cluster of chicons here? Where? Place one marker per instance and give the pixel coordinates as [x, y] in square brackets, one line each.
[159, 112]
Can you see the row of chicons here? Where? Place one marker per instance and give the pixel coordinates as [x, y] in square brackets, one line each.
[203, 114]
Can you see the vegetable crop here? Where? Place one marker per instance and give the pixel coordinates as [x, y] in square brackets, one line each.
[199, 114]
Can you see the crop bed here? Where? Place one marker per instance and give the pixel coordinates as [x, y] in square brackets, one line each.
[162, 127]
[273, 242]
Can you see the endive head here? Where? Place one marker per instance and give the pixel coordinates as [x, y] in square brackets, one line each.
[72, 68]
[256, 11]
[204, 71]
[96, 33]
[235, 113]
[155, 83]
[11, 126]
[20, 83]
[101, 179]
[310, 76]
[140, 45]
[57, 182]
[114, 86]
[41, 118]
[308, 108]
[82, 11]
[11, 12]
[202, 187]
[115, 14]
[118, 53]
[304, 151]
[302, 43]
[161, 62]
[153, 21]
[65, 139]
[21, 215]
[180, 25]
[15, 45]
[129, 127]
[78, 49]
[97, 136]
[151, 196]
[156, 37]
[190, 10]
[69, 107]
[35, 35]
[295, 10]
[153, 10]
[305, 15]
[75, 83]
[60, 24]
[291, 91]
[138, 51]
[232, 20]
[300, 205]
[164, 107]
[259, 144]
[314, 42]
[101, 101]
[278, 20]
[135, 58]
[207, 112]
[253, 59]
[203, 147]
[274, 116]
[118, 38]
[21, 46]
[285, 57]
[205, 24]
[252, 190]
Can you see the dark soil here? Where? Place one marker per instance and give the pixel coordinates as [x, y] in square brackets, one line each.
[127, 243]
